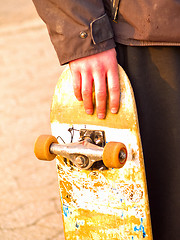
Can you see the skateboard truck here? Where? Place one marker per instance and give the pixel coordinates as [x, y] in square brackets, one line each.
[91, 148]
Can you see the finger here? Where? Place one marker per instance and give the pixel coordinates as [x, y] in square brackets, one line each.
[114, 89]
[76, 77]
[87, 83]
[100, 93]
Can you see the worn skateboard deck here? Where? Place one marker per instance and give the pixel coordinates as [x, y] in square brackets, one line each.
[101, 203]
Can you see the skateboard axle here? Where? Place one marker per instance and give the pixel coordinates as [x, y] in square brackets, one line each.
[85, 153]
[82, 154]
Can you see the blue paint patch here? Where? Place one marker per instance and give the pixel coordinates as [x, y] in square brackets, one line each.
[132, 238]
[77, 225]
[66, 210]
[140, 229]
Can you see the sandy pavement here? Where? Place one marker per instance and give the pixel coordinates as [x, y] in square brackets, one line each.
[29, 69]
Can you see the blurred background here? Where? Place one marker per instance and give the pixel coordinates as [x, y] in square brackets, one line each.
[29, 70]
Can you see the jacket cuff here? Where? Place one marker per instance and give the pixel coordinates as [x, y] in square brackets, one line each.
[80, 53]
[101, 29]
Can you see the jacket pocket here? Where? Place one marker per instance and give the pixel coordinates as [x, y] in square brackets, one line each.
[112, 7]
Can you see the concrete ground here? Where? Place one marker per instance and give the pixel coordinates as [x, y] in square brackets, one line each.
[29, 69]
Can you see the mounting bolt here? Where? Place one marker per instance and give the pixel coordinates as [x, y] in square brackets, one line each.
[122, 156]
[81, 161]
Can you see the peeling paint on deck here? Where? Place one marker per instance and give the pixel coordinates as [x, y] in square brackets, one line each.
[93, 199]
[108, 204]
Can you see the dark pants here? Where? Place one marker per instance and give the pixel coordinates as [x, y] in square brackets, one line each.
[154, 73]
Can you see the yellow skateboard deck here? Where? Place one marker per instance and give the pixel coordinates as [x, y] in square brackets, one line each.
[99, 202]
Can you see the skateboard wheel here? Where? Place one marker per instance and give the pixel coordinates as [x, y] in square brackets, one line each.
[114, 155]
[42, 147]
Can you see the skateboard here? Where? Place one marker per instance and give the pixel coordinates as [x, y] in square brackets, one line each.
[100, 166]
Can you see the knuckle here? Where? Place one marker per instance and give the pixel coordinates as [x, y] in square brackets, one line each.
[114, 89]
[86, 93]
[101, 96]
[99, 67]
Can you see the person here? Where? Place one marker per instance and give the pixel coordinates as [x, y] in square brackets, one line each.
[143, 36]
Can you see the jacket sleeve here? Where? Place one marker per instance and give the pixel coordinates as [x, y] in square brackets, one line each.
[77, 28]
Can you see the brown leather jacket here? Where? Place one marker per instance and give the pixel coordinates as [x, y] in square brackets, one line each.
[80, 28]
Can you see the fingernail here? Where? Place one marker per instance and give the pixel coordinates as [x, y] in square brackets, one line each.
[101, 115]
[113, 110]
[89, 111]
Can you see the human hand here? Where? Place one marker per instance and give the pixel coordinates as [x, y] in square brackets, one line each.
[102, 68]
